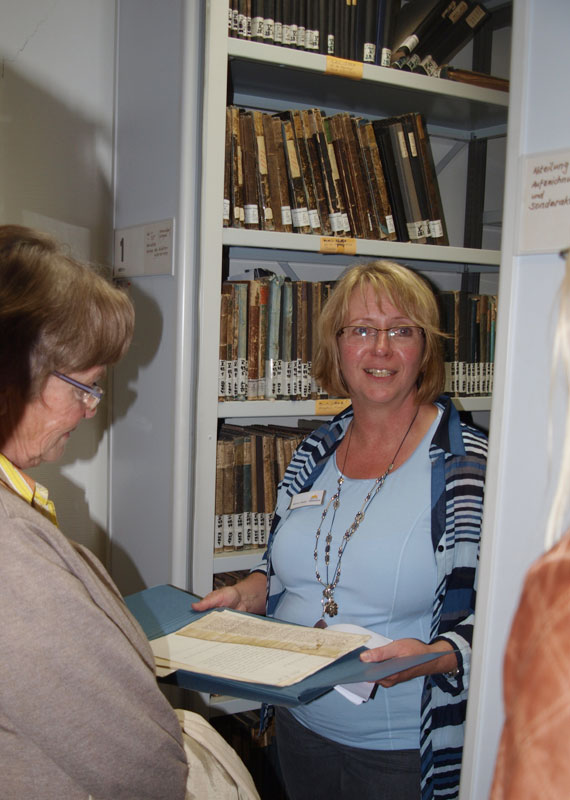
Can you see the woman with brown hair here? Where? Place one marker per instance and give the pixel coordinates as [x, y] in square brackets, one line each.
[80, 711]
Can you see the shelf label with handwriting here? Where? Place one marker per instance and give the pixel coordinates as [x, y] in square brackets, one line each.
[344, 67]
[338, 244]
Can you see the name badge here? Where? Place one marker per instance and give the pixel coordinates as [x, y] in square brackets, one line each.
[314, 498]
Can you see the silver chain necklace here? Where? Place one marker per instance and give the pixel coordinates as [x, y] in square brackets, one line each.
[330, 606]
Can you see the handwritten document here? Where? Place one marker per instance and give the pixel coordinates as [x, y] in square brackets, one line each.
[230, 645]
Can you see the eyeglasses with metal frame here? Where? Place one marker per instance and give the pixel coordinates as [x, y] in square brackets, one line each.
[90, 396]
[362, 334]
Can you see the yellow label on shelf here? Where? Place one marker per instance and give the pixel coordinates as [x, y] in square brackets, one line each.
[331, 406]
[338, 244]
[344, 68]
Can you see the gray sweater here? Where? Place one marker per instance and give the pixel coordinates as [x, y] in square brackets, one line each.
[80, 711]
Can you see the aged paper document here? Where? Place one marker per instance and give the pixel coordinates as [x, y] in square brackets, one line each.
[252, 649]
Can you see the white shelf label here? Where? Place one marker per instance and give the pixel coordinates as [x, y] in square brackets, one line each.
[144, 250]
[545, 217]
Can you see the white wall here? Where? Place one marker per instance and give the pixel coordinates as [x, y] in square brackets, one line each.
[521, 472]
[57, 73]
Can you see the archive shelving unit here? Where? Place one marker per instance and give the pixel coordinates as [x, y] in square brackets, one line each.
[272, 78]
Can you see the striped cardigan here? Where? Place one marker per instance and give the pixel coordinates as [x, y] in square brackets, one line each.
[458, 457]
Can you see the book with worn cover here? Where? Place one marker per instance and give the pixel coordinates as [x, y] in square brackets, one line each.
[472, 77]
[267, 215]
[250, 172]
[388, 159]
[335, 134]
[318, 177]
[297, 192]
[243, 655]
[436, 216]
[414, 24]
[376, 179]
[453, 39]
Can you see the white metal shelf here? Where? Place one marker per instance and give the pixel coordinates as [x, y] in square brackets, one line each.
[296, 243]
[307, 408]
[380, 92]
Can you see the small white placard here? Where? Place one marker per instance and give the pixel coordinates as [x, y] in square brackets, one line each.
[144, 250]
[545, 218]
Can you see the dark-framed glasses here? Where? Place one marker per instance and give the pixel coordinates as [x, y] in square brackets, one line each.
[89, 395]
[363, 334]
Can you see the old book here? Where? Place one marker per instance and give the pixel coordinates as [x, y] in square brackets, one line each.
[389, 156]
[376, 179]
[238, 445]
[370, 224]
[257, 19]
[316, 308]
[328, 170]
[305, 167]
[449, 314]
[385, 22]
[262, 338]
[436, 215]
[250, 172]
[334, 125]
[337, 177]
[472, 77]
[218, 503]
[253, 340]
[415, 156]
[415, 23]
[302, 360]
[445, 21]
[285, 388]
[454, 38]
[278, 189]
[247, 489]
[267, 217]
[297, 193]
[240, 312]
[272, 361]
[233, 12]
[223, 389]
[317, 175]
[228, 499]
[366, 17]
[236, 171]
[417, 225]
[226, 217]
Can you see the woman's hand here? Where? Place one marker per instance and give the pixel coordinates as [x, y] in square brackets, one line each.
[246, 595]
[412, 647]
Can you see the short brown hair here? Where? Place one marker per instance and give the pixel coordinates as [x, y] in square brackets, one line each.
[76, 318]
[408, 292]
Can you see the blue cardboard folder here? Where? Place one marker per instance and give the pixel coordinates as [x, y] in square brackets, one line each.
[165, 609]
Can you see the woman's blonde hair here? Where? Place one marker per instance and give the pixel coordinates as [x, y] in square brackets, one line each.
[75, 317]
[409, 293]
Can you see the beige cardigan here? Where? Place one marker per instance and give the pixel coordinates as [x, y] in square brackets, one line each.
[80, 711]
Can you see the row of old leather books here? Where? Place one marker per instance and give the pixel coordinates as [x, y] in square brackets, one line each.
[250, 462]
[359, 30]
[304, 172]
[469, 319]
[267, 339]
[421, 37]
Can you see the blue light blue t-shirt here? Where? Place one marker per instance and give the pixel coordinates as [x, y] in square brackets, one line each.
[387, 584]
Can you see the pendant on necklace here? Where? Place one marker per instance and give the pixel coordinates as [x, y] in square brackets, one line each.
[329, 605]
[331, 608]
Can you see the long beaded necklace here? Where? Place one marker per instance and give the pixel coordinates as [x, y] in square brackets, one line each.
[329, 604]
